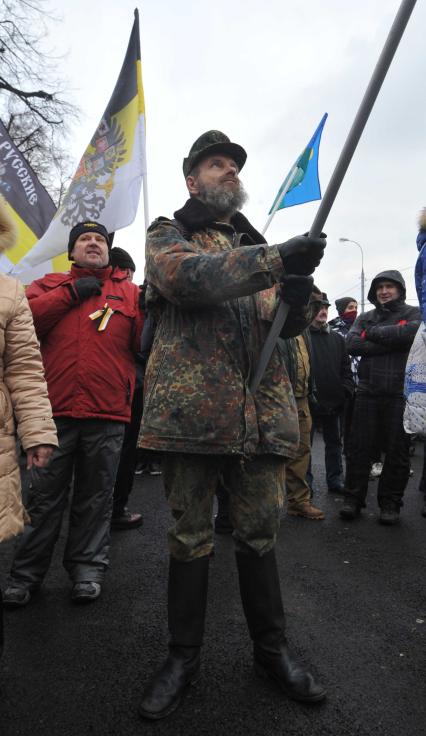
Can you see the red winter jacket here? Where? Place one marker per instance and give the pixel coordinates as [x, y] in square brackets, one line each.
[90, 374]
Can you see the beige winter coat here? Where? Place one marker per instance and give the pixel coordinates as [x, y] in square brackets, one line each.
[24, 402]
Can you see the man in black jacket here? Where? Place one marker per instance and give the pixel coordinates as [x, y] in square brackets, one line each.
[382, 338]
[334, 385]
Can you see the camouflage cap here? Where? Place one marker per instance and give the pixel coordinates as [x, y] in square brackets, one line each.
[210, 143]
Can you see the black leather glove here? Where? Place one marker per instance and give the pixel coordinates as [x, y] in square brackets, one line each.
[87, 286]
[296, 290]
[302, 254]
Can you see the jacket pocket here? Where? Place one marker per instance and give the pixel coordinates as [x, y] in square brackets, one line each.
[152, 376]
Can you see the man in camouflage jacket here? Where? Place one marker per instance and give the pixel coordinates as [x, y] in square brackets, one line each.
[213, 287]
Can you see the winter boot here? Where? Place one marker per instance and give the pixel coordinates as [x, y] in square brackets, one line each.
[389, 513]
[261, 599]
[187, 598]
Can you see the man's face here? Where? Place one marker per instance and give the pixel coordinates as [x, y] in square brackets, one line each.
[321, 318]
[352, 307]
[215, 181]
[213, 171]
[90, 251]
[129, 274]
[387, 291]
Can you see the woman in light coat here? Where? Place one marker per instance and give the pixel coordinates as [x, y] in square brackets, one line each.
[24, 402]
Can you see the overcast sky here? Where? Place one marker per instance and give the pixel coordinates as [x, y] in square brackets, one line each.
[264, 73]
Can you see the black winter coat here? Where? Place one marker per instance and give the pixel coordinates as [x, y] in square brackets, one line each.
[382, 338]
[331, 371]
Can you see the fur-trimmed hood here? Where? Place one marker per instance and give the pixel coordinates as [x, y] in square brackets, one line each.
[421, 238]
[8, 232]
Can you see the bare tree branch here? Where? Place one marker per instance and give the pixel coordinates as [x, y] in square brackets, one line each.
[32, 106]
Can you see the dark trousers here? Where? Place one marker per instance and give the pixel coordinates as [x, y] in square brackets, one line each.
[373, 417]
[333, 449]
[1, 625]
[128, 457]
[89, 449]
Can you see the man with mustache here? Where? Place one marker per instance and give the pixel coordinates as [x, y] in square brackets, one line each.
[88, 323]
[212, 287]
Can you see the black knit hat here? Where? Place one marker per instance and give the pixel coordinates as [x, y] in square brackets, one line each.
[342, 303]
[210, 143]
[89, 226]
[120, 258]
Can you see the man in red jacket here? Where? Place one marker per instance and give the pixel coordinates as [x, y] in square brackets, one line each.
[89, 323]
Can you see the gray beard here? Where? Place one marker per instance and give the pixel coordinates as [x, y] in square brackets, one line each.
[223, 202]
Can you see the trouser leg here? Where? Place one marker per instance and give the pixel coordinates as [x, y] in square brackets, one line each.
[1, 625]
[126, 468]
[396, 467]
[333, 450]
[190, 482]
[256, 488]
[361, 443]
[297, 489]
[86, 555]
[46, 504]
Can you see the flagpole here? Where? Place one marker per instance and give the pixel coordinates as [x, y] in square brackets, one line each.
[379, 74]
[145, 201]
[280, 197]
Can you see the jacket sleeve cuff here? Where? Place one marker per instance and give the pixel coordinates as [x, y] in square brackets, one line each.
[30, 437]
[274, 262]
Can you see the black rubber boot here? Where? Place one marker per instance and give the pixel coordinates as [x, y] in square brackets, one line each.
[261, 598]
[187, 598]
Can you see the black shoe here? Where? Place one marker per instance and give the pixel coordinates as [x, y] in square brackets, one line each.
[85, 592]
[337, 488]
[167, 688]
[290, 676]
[127, 520]
[350, 510]
[15, 597]
[424, 511]
[389, 514]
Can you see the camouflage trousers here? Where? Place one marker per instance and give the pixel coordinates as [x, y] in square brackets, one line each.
[255, 489]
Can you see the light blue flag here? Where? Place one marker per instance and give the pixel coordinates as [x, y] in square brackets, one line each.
[303, 176]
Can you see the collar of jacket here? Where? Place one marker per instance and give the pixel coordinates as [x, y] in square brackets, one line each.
[392, 306]
[78, 272]
[325, 328]
[195, 215]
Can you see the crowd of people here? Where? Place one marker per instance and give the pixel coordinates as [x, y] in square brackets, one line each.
[95, 370]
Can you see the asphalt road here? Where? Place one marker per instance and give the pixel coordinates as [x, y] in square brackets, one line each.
[355, 600]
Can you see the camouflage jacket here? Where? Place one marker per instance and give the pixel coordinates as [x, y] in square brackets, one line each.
[212, 289]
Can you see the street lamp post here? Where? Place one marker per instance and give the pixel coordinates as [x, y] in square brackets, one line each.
[348, 240]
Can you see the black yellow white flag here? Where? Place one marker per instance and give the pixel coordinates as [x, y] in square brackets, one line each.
[106, 186]
[28, 203]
